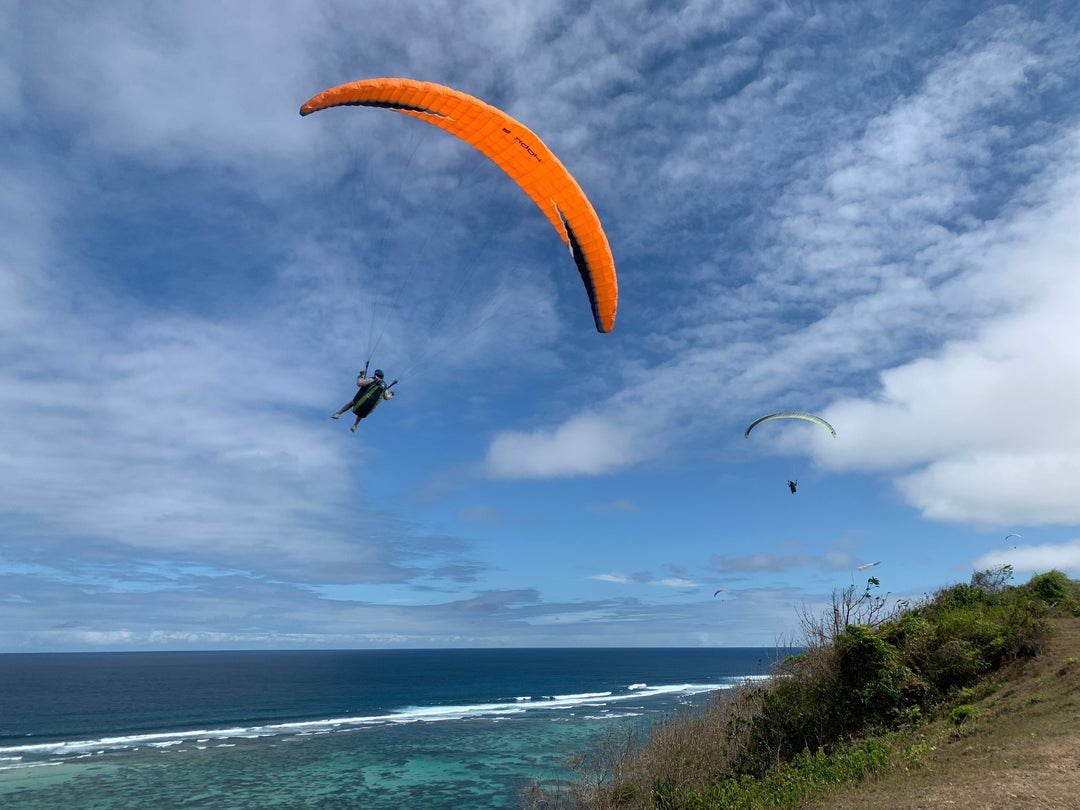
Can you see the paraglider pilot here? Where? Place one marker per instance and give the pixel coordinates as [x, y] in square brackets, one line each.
[372, 390]
[791, 486]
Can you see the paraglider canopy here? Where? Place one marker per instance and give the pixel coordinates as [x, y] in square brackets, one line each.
[719, 591]
[516, 150]
[790, 415]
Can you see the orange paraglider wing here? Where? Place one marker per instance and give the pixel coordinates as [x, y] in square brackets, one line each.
[518, 152]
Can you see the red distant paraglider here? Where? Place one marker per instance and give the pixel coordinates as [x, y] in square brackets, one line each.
[719, 591]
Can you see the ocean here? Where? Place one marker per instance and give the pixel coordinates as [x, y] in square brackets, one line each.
[370, 729]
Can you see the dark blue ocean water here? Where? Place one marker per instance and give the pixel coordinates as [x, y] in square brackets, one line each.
[429, 729]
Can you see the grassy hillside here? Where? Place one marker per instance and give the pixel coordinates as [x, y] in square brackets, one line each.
[1018, 748]
[923, 702]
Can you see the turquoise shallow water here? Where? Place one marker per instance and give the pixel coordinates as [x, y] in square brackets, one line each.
[369, 731]
[458, 765]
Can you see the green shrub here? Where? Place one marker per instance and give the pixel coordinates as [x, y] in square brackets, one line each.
[908, 626]
[877, 687]
[962, 596]
[1053, 587]
[961, 713]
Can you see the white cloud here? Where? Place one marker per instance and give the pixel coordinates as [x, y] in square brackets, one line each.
[178, 438]
[987, 430]
[767, 561]
[645, 578]
[622, 579]
[586, 444]
[996, 488]
[1037, 559]
[175, 84]
[676, 582]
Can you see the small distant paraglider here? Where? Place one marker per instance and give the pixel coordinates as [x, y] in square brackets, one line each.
[809, 417]
[719, 591]
[1012, 535]
[868, 565]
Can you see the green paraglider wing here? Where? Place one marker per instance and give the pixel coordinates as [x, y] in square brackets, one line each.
[790, 415]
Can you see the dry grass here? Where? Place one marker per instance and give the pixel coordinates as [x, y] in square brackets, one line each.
[1019, 749]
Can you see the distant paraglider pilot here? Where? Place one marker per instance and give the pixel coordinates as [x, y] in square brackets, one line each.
[372, 391]
[791, 486]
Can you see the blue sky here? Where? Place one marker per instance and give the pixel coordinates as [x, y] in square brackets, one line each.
[842, 208]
